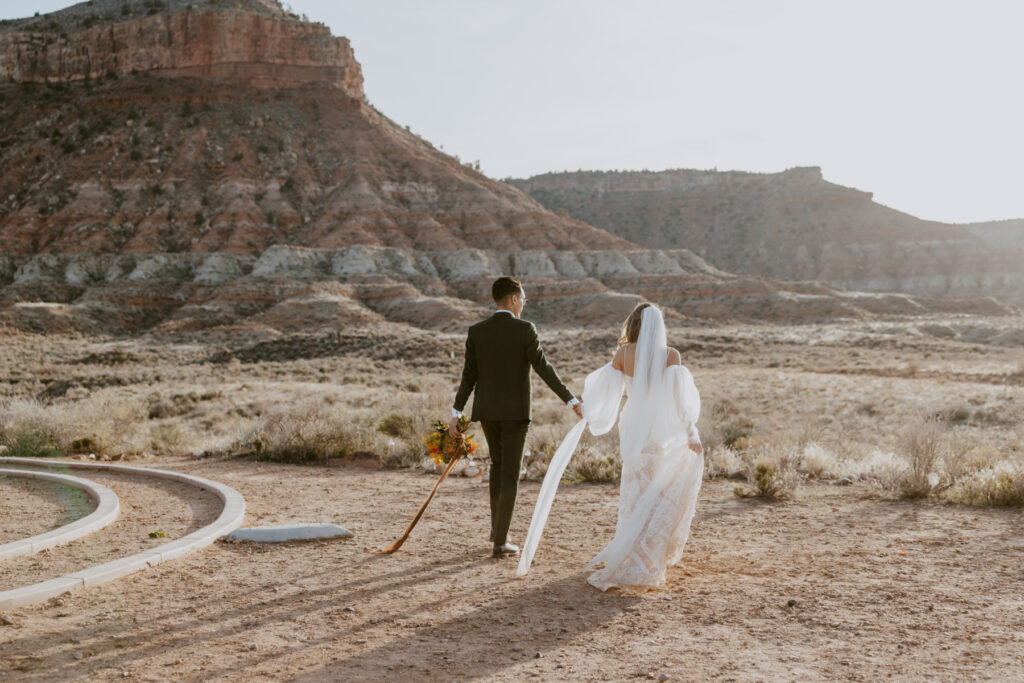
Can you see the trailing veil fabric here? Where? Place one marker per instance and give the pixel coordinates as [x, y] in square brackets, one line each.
[602, 394]
[661, 476]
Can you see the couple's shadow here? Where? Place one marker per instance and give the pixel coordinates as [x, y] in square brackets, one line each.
[513, 619]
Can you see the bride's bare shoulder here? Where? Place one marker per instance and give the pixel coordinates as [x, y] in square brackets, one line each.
[674, 357]
[619, 359]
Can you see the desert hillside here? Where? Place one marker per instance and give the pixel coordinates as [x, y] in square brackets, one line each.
[215, 166]
[793, 225]
[999, 234]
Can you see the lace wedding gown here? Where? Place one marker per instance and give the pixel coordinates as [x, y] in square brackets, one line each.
[661, 475]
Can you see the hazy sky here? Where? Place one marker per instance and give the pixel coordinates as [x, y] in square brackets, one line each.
[919, 102]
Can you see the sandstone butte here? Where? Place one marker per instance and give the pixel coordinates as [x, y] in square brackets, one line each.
[794, 225]
[214, 167]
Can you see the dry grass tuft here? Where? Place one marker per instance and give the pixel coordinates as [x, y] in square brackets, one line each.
[770, 475]
[722, 462]
[313, 432]
[594, 462]
[1002, 485]
[816, 462]
[924, 447]
[103, 424]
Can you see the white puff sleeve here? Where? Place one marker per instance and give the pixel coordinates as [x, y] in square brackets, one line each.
[686, 399]
[602, 395]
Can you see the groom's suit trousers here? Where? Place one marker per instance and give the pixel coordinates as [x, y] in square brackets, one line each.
[505, 441]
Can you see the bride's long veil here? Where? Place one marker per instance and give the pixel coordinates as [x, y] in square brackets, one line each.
[645, 417]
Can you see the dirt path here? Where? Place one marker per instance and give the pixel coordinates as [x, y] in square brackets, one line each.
[912, 591]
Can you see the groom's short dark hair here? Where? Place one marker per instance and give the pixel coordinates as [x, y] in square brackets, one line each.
[505, 286]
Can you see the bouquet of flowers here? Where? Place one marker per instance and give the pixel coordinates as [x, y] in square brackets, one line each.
[442, 446]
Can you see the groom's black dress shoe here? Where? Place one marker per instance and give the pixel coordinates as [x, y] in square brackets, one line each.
[505, 550]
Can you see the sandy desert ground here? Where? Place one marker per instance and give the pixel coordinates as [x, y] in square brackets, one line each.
[913, 591]
[845, 582]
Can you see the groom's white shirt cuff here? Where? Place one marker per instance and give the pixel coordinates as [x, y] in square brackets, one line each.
[571, 403]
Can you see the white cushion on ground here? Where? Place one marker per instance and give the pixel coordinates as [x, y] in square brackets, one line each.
[289, 532]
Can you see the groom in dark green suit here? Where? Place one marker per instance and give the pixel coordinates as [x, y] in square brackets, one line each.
[499, 354]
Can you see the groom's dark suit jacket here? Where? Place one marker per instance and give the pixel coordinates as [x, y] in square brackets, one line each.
[499, 354]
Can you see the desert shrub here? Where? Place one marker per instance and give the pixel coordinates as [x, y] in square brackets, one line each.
[401, 453]
[1001, 485]
[398, 425]
[591, 463]
[161, 407]
[306, 433]
[961, 463]
[769, 476]
[923, 447]
[732, 431]
[958, 414]
[723, 462]
[883, 468]
[817, 463]
[541, 444]
[103, 423]
[168, 438]
[32, 443]
[84, 444]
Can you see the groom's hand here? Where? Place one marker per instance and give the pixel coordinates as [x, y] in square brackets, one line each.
[578, 409]
[453, 427]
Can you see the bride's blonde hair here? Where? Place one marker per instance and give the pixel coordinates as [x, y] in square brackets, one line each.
[631, 327]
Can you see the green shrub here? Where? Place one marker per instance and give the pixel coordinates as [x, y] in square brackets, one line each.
[735, 429]
[398, 425]
[85, 444]
[33, 443]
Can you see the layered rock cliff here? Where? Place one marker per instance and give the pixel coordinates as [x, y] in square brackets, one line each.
[792, 225]
[262, 50]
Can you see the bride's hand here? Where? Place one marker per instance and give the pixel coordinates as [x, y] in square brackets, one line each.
[697, 448]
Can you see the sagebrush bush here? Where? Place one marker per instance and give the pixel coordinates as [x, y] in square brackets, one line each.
[723, 462]
[168, 439]
[102, 423]
[592, 463]
[924, 448]
[313, 432]
[972, 460]
[1002, 485]
[399, 425]
[401, 453]
[769, 476]
[735, 430]
[817, 463]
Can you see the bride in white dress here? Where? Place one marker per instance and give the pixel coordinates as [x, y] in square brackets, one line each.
[662, 458]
